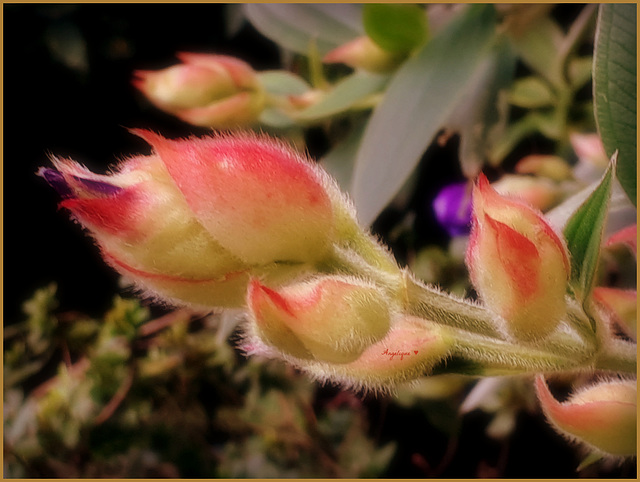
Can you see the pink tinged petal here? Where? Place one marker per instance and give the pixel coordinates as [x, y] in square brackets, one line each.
[118, 214]
[518, 256]
[257, 198]
[603, 416]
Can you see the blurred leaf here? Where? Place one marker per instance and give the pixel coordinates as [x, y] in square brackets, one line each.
[531, 92]
[579, 71]
[295, 26]
[345, 95]
[584, 232]
[395, 27]
[615, 65]
[339, 161]
[481, 114]
[281, 82]
[420, 98]
[539, 45]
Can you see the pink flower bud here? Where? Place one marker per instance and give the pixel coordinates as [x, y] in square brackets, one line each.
[363, 53]
[205, 90]
[589, 148]
[196, 218]
[517, 263]
[332, 318]
[603, 416]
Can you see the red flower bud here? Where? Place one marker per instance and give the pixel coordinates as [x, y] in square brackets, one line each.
[196, 218]
[518, 264]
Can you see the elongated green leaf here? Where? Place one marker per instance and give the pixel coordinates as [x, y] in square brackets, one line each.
[295, 26]
[584, 232]
[615, 66]
[481, 114]
[340, 160]
[347, 93]
[420, 98]
[395, 27]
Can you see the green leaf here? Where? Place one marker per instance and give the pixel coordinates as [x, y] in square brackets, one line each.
[295, 26]
[420, 98]
[395, 27]
[531, 92]
[584, 232]
[345, 95]
[615, 64]
[540, 46]
[281, 82]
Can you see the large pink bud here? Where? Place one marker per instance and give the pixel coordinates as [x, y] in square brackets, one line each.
[518, 264]
[194, 220]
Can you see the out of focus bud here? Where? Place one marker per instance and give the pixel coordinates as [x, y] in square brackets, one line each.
[627, 236]
[364, 53]
[588, 147]
[517, 263]
[452, 207]
[205, 90]
[603, 416]
[537, 192]
[194, 220]
[331, 318]
[552, 167]
[622, 305]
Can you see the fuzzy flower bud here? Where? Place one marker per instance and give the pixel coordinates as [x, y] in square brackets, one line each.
[517, 263]
[364, 53]
[345, 330]
[205, 90]
[603, 416]
[194, 220]
[332, 318]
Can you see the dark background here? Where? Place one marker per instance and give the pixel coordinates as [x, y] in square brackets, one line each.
[81, 110]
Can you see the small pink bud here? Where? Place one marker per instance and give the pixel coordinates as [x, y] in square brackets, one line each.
[539, 193]
[205, 90]
[363, 53]
[517, 263]
[603, 416]
[331, 318]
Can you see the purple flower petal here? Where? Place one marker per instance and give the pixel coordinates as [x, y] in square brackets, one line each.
[98, 187]
[56, 181]
[452, 207]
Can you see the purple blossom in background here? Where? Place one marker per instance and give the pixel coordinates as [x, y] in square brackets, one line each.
[452, 207]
